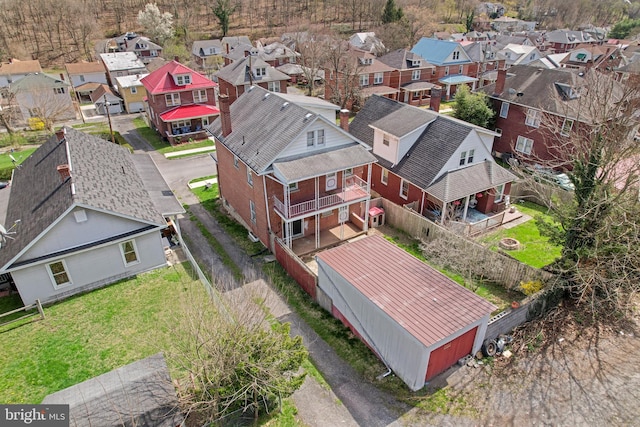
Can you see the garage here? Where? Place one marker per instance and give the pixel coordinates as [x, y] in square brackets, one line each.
[136, 107]
[417, 321]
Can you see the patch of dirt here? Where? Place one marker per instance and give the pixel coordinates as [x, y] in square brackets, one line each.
[562, 372]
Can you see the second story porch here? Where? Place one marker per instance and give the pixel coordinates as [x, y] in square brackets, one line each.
[325, 194]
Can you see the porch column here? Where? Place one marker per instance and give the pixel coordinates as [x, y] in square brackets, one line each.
[473, 86]
[287, 200]
[317, 221]
[367, 203]
[317, 190]
[289, 228]
[466, 207]
[443, 212]
[448, 91]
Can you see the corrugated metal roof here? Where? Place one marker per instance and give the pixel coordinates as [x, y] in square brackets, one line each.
[425, 302]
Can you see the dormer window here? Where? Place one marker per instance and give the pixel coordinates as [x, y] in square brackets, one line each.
[260, 72]
[416, 63]
[366, 61]
[456, 55]
[182, 79]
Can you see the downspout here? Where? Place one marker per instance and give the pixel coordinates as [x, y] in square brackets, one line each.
[266, 204]
[422, 204]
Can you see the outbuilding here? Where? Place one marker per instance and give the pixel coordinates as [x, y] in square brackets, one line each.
[417, 320]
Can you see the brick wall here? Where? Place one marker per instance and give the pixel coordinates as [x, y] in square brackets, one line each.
[307, 280]
[158, 104]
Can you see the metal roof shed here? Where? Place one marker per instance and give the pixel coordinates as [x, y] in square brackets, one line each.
[416, 319]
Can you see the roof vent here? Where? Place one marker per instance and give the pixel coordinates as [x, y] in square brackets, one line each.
[266, 95]
[284, 106]
[519, 94]
[250, 88]
[306, 117]
[511, 91]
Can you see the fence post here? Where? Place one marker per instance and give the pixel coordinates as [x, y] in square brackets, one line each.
[40, 310]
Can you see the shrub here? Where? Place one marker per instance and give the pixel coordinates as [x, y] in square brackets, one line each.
[531, 287]
[36, 123]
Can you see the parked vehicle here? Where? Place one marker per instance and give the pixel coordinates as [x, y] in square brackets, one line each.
[560, 179]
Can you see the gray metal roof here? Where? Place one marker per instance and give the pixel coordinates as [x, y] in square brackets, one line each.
[300, 168]
[104, 177]
[138, 394]
[263, 125]
[161, 195]
[36, 81]
[476, 178]
[121, 61]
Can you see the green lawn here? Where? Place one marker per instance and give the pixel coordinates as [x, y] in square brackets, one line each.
[91, 334]
[19, 154]
[535, 250]
[153, 138]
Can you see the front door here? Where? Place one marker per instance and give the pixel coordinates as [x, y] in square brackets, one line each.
[331, 181]
[296, 229]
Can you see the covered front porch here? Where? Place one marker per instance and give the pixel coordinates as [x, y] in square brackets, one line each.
[417, 93]
[188, 122]
[451, 84]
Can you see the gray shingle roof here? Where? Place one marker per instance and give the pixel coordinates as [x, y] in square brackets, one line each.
[476, 178]
[140, 393]
[432, 149]
[401, 122]
[262, 127]
[402, 59]
[37, 81]
[204, 45]
[237, 73]
[103, 175]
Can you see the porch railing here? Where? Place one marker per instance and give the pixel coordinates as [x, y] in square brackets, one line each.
[354, 189]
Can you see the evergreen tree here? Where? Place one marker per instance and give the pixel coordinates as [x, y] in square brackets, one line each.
[391, 12]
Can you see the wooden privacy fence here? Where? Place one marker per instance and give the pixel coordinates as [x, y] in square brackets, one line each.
[35, 305]
[493, 266]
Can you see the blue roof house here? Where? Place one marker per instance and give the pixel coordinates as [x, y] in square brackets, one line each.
[453, 65]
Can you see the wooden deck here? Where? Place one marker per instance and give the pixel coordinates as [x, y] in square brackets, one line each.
[329, 237]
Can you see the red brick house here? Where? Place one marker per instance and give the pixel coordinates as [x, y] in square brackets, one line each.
[432, 162]
[412, 75]
[236, 77]
[536, 111]
[561, 41]
[289, 172]
[180, 102]
[358, 76]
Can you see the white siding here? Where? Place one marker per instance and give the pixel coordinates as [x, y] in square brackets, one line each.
[471, 142]
[90, 269]
[69, 234]
[407, 141]
[390, 152]
[88, 78]
[333, 137]
[406, 356]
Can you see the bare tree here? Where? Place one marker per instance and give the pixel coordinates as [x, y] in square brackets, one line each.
[313, 49]
[238, 359]
[595, 138]
[342, 74]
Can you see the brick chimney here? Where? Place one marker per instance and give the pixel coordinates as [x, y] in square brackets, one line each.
[225, 114]
[61, 134]
[502, 76]
[176, 58]
[62, 76]
[436, 97]
[247, 53]
[344, 119]
[64, 171]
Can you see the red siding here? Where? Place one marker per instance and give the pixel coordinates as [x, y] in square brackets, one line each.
[305, 279]
[447, 355]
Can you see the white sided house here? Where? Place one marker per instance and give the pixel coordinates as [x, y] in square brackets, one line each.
[79, 218]
[418, 321]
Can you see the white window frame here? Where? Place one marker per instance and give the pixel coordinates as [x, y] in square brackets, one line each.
[456, 55]
[404, 194]
[183, 79]
[460, 69]
[566, 129]
[81, 78]
[470, 156]
[364, 80]
[273, 86]
[504, 110]
[252, 212]
[261, 72]
[205, 121]
[499, 193]
[378, 78]
[320, 134]
[446, 70]
[172, 99]
[386, 140]
[463, 158]
[524, 145]
[433, 71]
[124, 254]
[348, 172]
[53, 275]
[533, 117]
[198, 95]
[236, 162]
[133, 90]
[249, 176]
[415, 75]
[180, 124]
[311, 138]
[316, 138]
[384, 176]
[293, 186]
[58, 90]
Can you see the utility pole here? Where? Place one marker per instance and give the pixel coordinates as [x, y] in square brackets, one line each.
[107, 105]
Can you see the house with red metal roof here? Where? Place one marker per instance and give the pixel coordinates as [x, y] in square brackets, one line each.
[180, 102]
[417, 321]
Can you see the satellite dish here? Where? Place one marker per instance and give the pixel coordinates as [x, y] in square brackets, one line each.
[6, 234]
